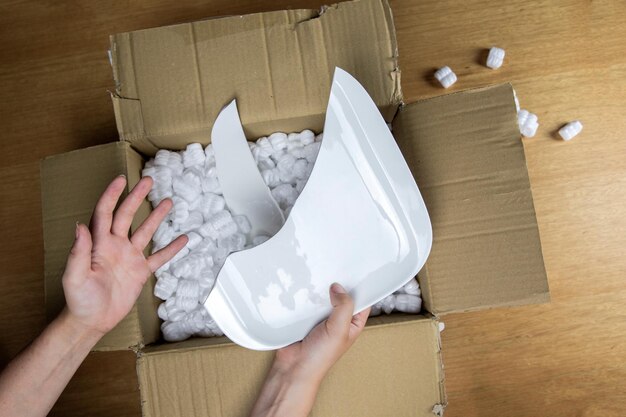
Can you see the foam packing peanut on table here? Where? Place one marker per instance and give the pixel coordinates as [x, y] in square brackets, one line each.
[495, 58]
[445, 76]
[189, 178]
[528, 123]
[570, 130]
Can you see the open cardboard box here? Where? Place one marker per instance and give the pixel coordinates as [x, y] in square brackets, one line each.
[464, 150]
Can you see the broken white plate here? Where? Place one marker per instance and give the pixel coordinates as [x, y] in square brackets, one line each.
[359, 221]
[241, 182]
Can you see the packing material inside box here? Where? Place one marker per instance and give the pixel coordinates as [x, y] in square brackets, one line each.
[464, 150]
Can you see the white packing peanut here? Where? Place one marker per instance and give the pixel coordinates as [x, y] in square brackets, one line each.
[300, 169]
[278, 141]
[173, 331]
[389, 303]
[570, 130]
[185, 189]
[165, 286]
[412, 288]
[285, 195]
[527, 122]
[445, 76]
[495, 57]
[193, 155]
[307, 137]
[193, 221]
[408, 303]
[162, 311]
[271, 177]
[162, 157]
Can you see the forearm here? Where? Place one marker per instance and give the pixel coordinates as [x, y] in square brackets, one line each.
[285, 393]
[33, 381]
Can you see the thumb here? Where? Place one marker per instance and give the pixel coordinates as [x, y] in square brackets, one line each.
[343, 309]
[79, 259]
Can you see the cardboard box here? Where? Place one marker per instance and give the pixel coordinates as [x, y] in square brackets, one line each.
[464, 150]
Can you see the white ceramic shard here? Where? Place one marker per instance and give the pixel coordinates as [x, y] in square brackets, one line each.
[360, 221]
[242, 185]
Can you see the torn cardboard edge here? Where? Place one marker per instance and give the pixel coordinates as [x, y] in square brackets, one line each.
[157, 104]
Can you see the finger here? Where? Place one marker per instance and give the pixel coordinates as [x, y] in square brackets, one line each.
[126, 211]
[162, 256]
[358, 323]
[103, 213]
[143, 234]
[359, 319]
[79, 259]
[343, 309]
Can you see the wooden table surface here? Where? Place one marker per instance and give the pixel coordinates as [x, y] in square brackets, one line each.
[566, 59]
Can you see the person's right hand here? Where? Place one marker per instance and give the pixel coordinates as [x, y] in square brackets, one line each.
[294, 378]
[327, 342]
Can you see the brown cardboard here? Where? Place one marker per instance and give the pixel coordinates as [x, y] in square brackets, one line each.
[71, 185]
[467, 158]
[173, 81]
[393, 369]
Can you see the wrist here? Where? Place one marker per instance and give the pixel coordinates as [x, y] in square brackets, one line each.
[286, 392]
[296, 374]
[76, 330]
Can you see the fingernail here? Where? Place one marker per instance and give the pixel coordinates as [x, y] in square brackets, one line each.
[122, 175]
[337, 288]
[77, 229]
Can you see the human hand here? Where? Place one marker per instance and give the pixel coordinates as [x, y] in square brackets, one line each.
[327, 342]
[294, 378]
[106, 269]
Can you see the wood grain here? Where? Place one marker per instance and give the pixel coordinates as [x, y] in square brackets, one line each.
[565, 59]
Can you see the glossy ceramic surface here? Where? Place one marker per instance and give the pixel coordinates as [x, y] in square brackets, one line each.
[360, 221]
[243, 187]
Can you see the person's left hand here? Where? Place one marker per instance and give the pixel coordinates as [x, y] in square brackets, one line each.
[106, 269]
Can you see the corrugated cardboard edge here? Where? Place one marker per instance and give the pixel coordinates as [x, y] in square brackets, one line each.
[439, 408]
[397, 96]
[55, 170]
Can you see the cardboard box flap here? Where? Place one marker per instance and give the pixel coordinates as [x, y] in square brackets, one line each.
[466, 155]
[171, 82]
[71, 185]
[192, 381]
